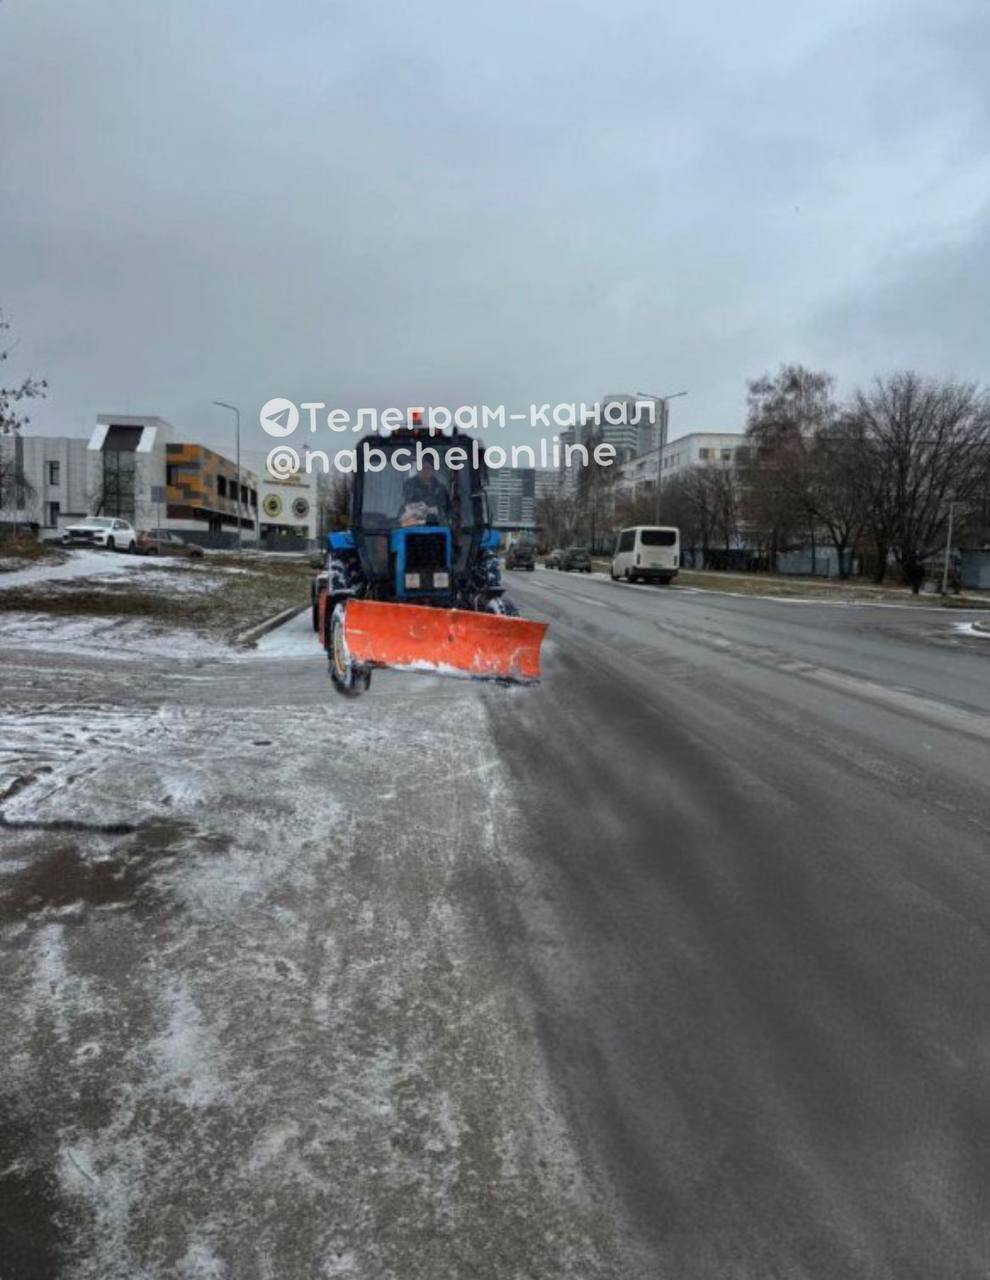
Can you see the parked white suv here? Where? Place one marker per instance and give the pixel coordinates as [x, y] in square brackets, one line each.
[101, 531]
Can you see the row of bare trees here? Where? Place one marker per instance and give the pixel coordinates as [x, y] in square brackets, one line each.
[877, 473]
[874, 476]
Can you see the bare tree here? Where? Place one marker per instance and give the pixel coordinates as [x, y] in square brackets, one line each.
[335, 503]
[11, 418]
[596, 499]
[14, 485]
[792, 405]
[634, 507]
[725, 498]
[787, 413]
[557, 517]
[831, 488]
[15, 488]
[921, 445]
[703, 502]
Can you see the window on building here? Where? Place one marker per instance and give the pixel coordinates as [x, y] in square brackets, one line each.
[254, 497]
[221, 487]
[705, 454]
[726, 455]
[53, 473]
[53, 511]
[118, 483]
[171, 473]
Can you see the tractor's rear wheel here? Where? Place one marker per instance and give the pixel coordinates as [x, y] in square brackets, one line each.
[347, 677]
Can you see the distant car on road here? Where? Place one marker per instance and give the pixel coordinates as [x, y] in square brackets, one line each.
[576, 559]
[101, 531]
[160, 542]
[520, 556]
[553, 559]
[651, 552]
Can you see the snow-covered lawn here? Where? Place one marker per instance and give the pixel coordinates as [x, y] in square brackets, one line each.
[159, 606]
[80, 564]
[108, 637]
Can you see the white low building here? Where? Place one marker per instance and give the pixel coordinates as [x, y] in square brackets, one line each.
[696, 449]
[288, 508]
[57, 488]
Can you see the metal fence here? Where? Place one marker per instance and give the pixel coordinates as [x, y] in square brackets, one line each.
[974, 569]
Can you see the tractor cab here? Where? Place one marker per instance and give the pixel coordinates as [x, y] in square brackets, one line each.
[420, 521]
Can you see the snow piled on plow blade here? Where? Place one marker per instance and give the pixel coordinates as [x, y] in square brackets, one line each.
[443, 641]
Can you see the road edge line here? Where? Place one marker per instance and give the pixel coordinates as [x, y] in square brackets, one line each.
[247, 639]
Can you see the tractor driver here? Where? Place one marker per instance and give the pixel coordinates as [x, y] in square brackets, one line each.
[425, 496]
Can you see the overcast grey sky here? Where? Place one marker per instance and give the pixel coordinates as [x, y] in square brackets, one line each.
[376, 204]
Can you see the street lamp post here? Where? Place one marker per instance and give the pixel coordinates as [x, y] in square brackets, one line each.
[663, 401]
[948, 551]
[240, 488]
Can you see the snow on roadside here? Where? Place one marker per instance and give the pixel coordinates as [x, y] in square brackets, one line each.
[293, 639]
[307, 1054]
[45, 748]
[112, 637]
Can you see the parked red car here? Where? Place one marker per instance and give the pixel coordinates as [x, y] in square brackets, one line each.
[159, 542]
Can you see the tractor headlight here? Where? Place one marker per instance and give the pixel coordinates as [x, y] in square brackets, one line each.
[412, 581]
[441, 579]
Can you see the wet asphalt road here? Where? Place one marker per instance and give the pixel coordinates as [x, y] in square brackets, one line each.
[758, 929]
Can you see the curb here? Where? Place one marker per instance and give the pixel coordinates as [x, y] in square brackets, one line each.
[253, 634]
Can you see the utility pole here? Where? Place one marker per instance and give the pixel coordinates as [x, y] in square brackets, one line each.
[948, 547]
[20, 496]
[240, 488]
[664, 402]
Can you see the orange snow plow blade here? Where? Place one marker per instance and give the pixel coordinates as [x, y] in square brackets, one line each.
[487, 645]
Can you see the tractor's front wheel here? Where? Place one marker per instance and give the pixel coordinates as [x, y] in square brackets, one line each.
[502, 605]
[348, 677]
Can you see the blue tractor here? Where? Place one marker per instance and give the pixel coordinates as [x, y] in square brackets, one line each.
[415, 582]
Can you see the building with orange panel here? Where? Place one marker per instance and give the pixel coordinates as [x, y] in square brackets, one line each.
[202, 491]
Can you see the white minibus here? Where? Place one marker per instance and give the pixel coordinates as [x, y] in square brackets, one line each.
[651, 552]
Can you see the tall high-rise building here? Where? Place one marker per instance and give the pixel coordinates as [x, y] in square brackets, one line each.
[636, 424]
[568, 475]
[547, 483]
[512, 497]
